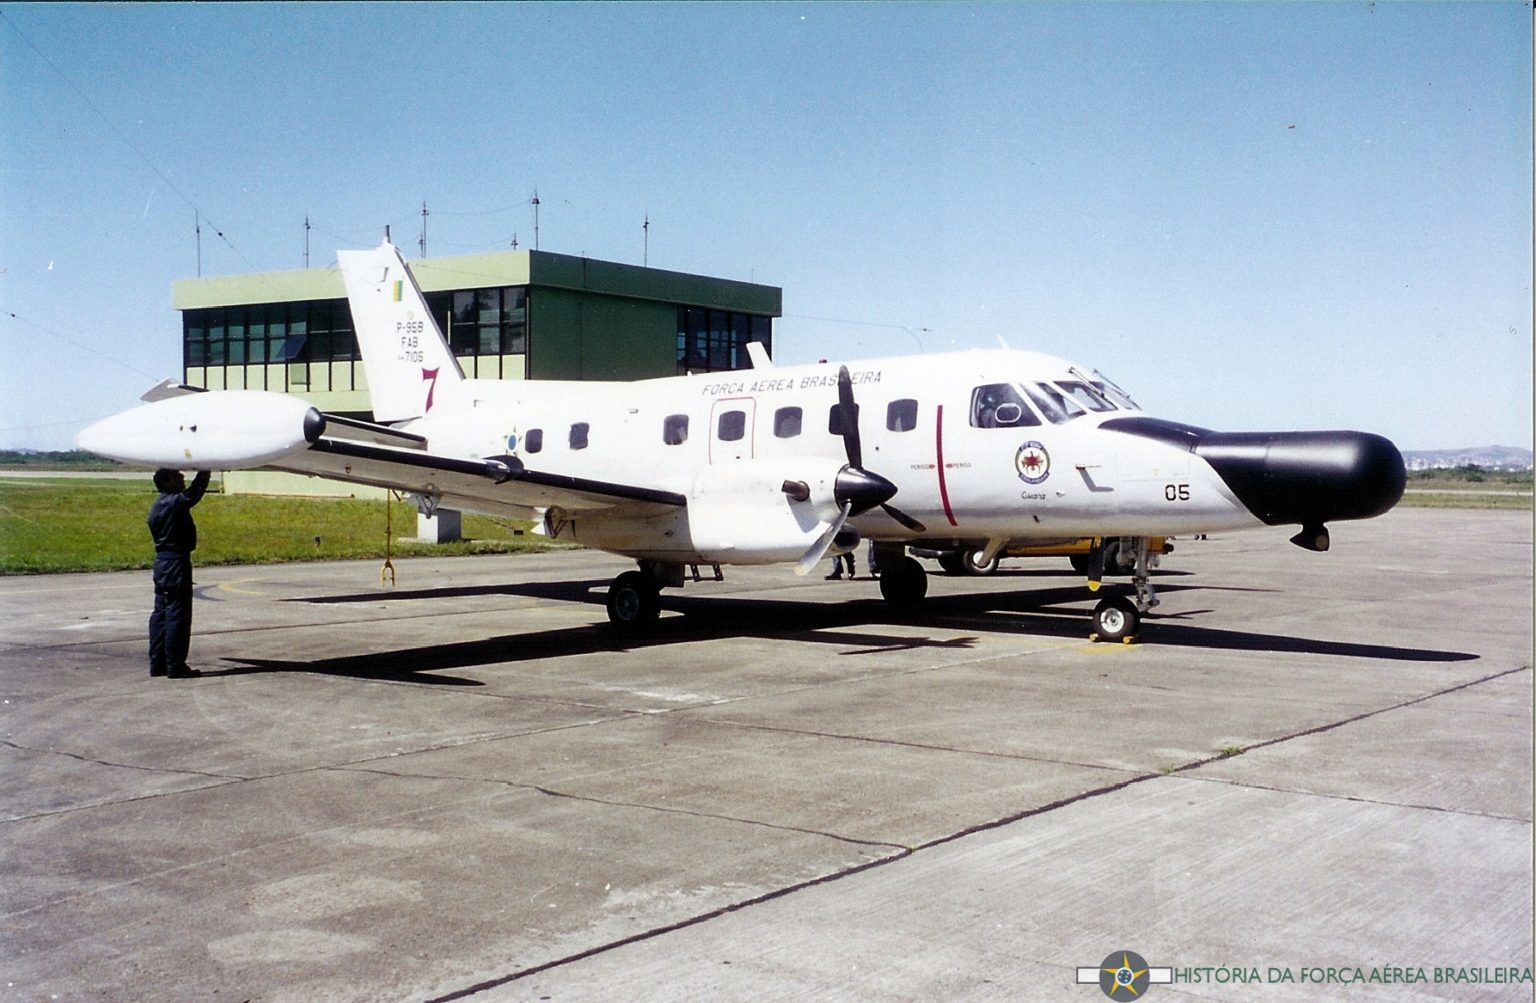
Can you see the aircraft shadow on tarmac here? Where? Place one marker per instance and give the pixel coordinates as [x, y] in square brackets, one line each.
[1049, 612]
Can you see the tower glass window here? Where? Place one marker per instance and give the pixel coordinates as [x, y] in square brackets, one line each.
[712, 341]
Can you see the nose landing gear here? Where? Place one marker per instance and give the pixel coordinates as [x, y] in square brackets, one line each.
[1117, 618]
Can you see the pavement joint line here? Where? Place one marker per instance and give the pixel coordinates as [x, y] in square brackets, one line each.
[124, 766]
[261, 847]
[488, 985]
[872, 740]
[779, 893]
[1319, 729]
[1358, 800]
[641, 806]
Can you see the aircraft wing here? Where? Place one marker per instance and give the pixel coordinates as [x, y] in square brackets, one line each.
[184, 428]
[503, 485]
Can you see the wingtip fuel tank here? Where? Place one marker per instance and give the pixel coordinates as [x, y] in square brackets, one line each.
[218, 430]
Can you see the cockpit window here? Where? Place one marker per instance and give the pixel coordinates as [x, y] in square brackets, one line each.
[1089, 397]
[1054, 404]
[1000, 405]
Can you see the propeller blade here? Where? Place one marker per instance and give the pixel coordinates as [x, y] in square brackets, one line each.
[823, 543]
[903, 518]
[850, 418]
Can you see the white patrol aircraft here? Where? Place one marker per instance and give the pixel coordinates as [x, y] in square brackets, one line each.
[977, 450]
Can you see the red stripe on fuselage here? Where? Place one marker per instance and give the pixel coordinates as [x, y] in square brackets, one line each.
[938, 456]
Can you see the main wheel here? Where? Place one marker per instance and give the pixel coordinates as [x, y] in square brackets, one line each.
[1115, 619]
[974, 565]
[904, 584]
[634, 602]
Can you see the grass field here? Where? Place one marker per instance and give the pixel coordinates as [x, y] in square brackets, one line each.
[58, 524]
[54, 525]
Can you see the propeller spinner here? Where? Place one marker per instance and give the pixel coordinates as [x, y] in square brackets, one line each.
[857, 488]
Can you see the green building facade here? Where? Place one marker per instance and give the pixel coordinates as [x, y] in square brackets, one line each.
[507, 315]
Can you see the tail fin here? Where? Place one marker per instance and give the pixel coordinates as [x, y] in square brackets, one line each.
[409, 365]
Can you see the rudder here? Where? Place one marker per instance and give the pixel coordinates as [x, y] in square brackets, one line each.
[408, 363]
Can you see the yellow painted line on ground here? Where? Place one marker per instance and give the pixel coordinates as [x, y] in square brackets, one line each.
[234, 587]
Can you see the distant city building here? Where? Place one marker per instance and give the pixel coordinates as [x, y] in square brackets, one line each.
[507, 315]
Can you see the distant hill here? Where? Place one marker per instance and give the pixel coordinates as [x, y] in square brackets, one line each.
[73, 459]
[1486, 457]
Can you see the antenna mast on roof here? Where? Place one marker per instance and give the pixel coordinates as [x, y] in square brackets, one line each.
[646, 226]
[535, 203]
[197, 221]
[424, 215]
[306, 240]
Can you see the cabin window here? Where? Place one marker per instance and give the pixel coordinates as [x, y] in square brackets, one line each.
[1000, 405]
[835, 419]
[674, 429]
[534, 440]
[579, 434]
[786, 422]
[732, 426]
[901, 416]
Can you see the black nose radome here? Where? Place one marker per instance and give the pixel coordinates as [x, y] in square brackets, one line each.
[1309, 478]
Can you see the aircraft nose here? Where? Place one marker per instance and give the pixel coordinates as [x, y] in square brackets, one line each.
[1309, 478]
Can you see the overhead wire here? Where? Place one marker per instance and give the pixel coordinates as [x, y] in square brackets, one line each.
[127, 141]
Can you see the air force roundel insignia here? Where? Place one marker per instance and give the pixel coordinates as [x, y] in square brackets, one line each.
[1033, 462]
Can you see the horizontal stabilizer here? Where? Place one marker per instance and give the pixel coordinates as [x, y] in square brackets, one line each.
[168, 388]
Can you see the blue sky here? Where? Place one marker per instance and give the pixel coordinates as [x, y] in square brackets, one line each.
[1253, 216]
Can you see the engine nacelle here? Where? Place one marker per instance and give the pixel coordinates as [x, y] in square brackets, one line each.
[761, 511]
[218, 430]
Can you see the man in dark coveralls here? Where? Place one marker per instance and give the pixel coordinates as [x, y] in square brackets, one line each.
[175, 535]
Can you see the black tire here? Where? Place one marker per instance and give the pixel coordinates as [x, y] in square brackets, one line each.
[953, 563]
[634, 602]
[974, 565]
[904, 584]
[1079, 563]
[1115, 620]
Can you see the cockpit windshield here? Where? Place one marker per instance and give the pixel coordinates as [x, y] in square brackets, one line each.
[1086, 395]
[1052, 402]
[1112, 390]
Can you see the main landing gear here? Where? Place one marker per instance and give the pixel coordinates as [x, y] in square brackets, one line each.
[1117, 618]
[634, 597]
[634, 601]
[903, 583]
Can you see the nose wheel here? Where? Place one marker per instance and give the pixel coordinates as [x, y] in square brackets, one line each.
[1115, 620]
